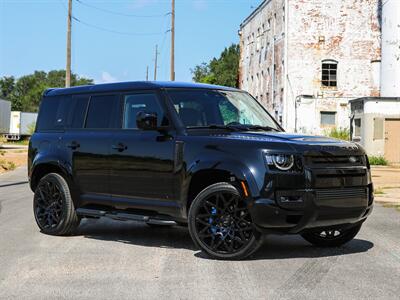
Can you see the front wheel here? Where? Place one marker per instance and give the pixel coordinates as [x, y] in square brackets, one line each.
[331, 237]
[220, 223]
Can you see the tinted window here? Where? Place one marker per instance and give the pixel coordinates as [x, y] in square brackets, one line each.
[147, 102]
[101, 111]
[53, 112]
[208, 107]
[77, 111]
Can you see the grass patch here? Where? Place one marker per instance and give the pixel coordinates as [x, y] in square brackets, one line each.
[7, 165]
[2, 152]
[392, 205]
[379, 191]
[338, 133]
[377, 161]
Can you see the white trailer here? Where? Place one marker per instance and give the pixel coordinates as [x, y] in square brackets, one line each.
[5, 110]
[21, 124]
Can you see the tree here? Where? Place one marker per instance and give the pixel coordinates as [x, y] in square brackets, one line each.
[25, 92]
[222, 71]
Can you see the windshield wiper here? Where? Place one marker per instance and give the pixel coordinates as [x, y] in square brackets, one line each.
[265, 128]
[215, 126]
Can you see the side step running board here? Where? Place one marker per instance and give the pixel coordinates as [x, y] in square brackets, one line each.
[85, 212]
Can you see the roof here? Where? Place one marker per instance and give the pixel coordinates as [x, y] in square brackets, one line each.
[364, 99]
[132, 85]
[255, 12]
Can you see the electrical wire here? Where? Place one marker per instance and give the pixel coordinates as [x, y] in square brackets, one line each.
[119, 13]
[106, 29]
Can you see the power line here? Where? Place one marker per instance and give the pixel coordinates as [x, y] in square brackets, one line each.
[106, 29]
[115, 31]
[119, 13]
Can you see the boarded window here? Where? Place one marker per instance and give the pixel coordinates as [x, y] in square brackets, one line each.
[329, 73]
[328, 118]
[378, 128]
[357, 127]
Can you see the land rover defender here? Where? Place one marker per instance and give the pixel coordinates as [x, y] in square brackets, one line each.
[203, 156]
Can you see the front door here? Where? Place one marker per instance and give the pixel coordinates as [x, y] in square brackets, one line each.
[142, 174]
[392, 140]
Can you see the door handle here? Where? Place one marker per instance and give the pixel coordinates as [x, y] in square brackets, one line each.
[120, 147]
[73, 145]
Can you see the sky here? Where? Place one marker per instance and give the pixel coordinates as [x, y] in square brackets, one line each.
[114, 40]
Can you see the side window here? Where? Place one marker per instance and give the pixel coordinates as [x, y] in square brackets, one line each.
[101, 112]
[147, 102]
[76, 116]
[53, 113]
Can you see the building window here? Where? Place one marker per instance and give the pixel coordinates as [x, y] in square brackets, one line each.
[328, 118]
[329, 72]
[357, 127]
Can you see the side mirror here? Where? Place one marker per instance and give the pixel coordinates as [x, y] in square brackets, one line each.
[146, 120]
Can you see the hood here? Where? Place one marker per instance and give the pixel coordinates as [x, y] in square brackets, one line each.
[306, 144]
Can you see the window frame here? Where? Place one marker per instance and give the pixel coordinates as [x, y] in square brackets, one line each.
[327, 83]
[114, 115]
[160, 100]
[334, 113]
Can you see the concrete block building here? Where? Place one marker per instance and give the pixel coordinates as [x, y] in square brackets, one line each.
[306, 59]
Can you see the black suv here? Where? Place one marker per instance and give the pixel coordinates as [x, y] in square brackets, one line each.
[205, 156]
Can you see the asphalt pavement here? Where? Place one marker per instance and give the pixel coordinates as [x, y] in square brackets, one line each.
[107, 259]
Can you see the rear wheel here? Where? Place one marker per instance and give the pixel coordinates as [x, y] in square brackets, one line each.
[53, 206]
[331, 237]
[220, 223]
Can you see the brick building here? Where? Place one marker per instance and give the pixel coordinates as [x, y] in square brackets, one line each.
[305, 59]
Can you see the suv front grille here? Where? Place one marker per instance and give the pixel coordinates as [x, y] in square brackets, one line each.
[334, 194]
[334, 161]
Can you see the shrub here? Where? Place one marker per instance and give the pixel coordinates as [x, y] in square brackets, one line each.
[377, 161]
[338, 133]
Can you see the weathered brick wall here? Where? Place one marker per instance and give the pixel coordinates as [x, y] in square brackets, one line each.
[347, 31]
[262, 48]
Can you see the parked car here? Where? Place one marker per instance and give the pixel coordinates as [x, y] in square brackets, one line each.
[203, 156]
[22, 125]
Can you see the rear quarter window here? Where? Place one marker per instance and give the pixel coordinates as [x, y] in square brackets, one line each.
[52, 113]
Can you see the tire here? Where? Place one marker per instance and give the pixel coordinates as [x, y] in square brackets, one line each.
[221, 225]
[53, 207]
[331, 237]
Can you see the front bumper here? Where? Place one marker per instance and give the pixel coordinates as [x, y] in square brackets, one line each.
[293, 211]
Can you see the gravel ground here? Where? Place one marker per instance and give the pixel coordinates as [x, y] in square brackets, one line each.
[128, 260]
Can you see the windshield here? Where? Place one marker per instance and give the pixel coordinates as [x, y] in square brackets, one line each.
[208, 108]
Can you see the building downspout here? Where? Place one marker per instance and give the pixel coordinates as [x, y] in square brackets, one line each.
[286, 66]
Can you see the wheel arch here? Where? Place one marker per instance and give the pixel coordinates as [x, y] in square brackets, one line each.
[207, 173]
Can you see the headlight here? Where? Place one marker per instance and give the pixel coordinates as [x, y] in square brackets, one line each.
[283, 162]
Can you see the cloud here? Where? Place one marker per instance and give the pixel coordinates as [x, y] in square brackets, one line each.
[107, 78]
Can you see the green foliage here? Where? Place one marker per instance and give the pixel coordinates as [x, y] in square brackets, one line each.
[377, 161]
[339, 133]
[7, 165]
[222, 71]
[25, 92]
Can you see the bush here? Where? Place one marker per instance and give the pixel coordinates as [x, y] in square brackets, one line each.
[377, 161]
[338, 133]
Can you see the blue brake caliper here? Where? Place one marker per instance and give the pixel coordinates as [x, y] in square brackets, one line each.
[211, 219]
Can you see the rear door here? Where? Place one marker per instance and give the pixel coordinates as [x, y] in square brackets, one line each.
[88, 139]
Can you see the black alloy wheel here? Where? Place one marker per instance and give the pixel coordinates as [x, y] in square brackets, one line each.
[53, 206]
[220, 223]
[331, 237]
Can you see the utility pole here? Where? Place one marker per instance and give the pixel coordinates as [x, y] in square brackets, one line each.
[173, 41]
[68, 67]
[155, 64]
[147, 73]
